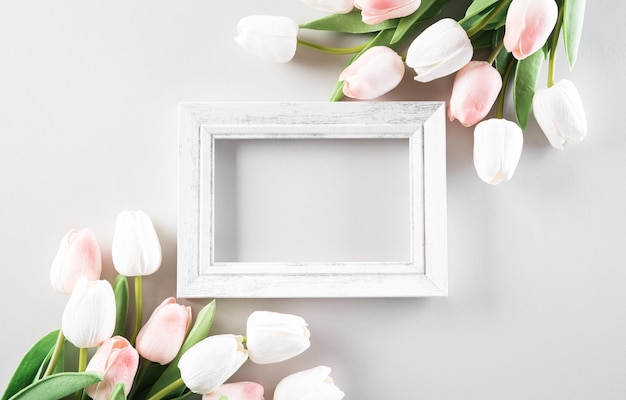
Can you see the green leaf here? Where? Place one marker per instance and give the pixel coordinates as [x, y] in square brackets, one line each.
[58, 385]
[120, 288]
[382, 39]
[27, 370]
[477, 7]
[526, 75]
[427, 9]
[573, 17]
[199, 331]
[118, 392]
[347, 23]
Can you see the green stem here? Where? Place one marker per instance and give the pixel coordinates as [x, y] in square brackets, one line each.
[166, 390]
[138, 308]
[56, 354]
[473, 30]
[495, 52]
[82, 366]
[553, 46]
[333, 50]
[505, 79]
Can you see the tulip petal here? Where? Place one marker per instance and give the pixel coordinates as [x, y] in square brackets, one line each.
[314, 383]
[210, 362]
[374, 73]
[135, 250]
[89, 315]
[476, 87]
[273, 38]
[332, 6]
[275, 337]
[375, 11]
[560, 113]
[528, 26]
[497, 149]
[440, 50]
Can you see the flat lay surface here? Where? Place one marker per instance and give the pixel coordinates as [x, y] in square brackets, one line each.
[89, 95]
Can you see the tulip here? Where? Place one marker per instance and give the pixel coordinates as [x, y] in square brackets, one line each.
[89, 315]
[442, 49]
[237, 391]
[78, 256]
[275, 337]
[376, 11]
[210, 362]
[135, 249]
[528, 26]
[497, 149]
[560, 113]
[476, 87]
[313, 383]
[273, 38]
[332, 6]
[374, 73]
[117, 361]
[160, 339]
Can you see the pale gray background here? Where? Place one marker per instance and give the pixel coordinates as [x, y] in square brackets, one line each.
[88, 116]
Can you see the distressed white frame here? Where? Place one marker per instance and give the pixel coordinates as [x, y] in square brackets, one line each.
[422, 123]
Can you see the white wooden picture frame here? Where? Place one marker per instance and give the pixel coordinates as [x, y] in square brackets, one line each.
[422, 124]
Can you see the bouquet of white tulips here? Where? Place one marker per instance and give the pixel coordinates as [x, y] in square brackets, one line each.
[515, 35]
[168, 357]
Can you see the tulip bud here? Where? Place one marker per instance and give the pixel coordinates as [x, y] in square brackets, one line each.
[135, 249]
[89, 315]
[117, 361]
[442, 49]
[528, 26]
[314, 383]
[275, 337]
[560, 114]
[78, 256]
[375, 11]
[237, 391]
[497, 149]
[374, 73]
[273, 38]
[332, 6]
[476, 87]
[160, 339]
[210, 362]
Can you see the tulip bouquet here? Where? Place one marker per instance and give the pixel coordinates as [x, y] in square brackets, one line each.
[515, 36]
[168, 357]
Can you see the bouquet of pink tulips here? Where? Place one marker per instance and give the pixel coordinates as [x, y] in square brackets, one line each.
[515, 36]
[168, 357]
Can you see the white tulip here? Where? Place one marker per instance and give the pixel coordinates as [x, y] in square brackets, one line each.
[275, 337]
[135, 249]
[442, 49]
[314, 383]
[89, 315]
[560, 113]
[210, 362]
[332, 6]
[497, 149]
[273, 38]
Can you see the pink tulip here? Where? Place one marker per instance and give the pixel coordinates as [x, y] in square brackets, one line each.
[376, 11]
[78, 256]
[476, 87]
[528, 26]
[374, 73]
[160, 339]
[117, 361]
[237, 391]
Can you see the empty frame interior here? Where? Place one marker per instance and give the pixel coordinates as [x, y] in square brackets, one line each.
[312, 200]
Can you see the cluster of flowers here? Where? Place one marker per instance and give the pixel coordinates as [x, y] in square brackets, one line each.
[167, 357]
[519, 33]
